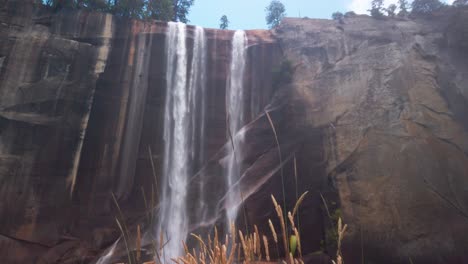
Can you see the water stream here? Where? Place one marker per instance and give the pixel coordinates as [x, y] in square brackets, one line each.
[235, 107]
[183, 130]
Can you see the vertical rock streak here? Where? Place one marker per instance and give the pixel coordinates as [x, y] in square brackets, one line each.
[134, 120]
[235, 110]
[183, 130]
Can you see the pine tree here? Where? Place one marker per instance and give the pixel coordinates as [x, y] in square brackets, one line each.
[275, 13]
[224, 22]
[391, 10]
[181, 8]
[377, 7]
[403, 5]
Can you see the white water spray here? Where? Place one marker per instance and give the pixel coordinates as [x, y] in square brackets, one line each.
[235, 108]
[184, 98]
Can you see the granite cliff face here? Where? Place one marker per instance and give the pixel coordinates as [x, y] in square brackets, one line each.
[391, 99]
[375, 118]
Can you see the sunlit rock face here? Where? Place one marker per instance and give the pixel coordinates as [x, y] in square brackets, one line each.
[391, 99]
[375, 119]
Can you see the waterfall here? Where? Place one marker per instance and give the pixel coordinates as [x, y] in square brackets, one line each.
[235, 108]
[184, 108]
[197, 88]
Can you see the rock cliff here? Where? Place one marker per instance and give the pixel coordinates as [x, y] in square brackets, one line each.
[390, 97]
[375, 119]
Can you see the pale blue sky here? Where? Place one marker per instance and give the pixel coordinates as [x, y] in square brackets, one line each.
[250, 14]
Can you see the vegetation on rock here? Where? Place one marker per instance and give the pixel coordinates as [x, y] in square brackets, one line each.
[377, 8]
[275, 13]
[165, 10]
[403, 6]
[425, 6]
[224, 22]
[391, 10]
[338, 16]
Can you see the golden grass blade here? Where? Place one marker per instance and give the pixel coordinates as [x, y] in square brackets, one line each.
[275, 203]
[138, 244]
[279, 211]
[185, 248]
[291, 220]
[298, 203]
[299, 248]
[223, 254]
[273, 231]
[258, 244]
[200, 240]
[216, 238]
[231, 256]
[244, 245]
[267, 250]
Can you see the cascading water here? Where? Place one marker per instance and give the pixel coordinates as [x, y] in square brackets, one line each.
[197, 88]
[183, 108]
[235, 108]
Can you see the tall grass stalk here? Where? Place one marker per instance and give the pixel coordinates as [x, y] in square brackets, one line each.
[125, 241]
[122, 225]
[297, 190]
[272, 125]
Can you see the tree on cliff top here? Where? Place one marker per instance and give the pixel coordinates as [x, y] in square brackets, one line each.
[275, 13]
[166, 10]
[181, 10]
[224, 22]
[391, 10]
[425, 6]
[160, 10]
[129, 8]
[460, 2]
[377, 7]
[403, 5]
[338, 16]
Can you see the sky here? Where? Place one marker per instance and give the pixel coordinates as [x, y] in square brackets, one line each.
[250, 14]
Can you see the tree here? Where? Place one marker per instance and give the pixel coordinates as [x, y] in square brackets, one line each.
[338, 16]
[160, 10]
[377, 7]
[60, 4]
[403, 5]
[275, 13]
[391, 10]
[350, 14]
[181, 10]
[97, 5]
[129, 8]
[425, 6]
[165, 10]
[224, 22]
[460, 2]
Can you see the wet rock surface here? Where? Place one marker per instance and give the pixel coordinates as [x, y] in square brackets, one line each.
[375, 118]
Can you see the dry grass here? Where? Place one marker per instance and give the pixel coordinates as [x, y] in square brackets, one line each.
[237, 247]
[249, 248]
